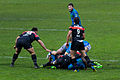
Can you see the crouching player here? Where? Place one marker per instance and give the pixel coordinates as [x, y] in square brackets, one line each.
[25, 40]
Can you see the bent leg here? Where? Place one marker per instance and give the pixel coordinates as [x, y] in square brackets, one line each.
[15, 56]
[83, 57]
[34, 57]
[72, 53]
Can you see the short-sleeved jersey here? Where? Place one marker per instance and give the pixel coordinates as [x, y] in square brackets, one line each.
[29, 36]
[69, 47]
[77, 32]
[86, 43]
[74, 14]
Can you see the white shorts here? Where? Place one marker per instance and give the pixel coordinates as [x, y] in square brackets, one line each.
[63, 48]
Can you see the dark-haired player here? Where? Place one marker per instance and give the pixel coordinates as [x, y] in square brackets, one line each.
[78, 36]
[73, 13]
[25, 40]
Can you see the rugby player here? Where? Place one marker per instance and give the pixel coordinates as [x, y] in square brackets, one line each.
[79, 63]
[25, 40]
[78, 36]
[61, 50]
[87, 46]
[61, 61]
[73, 13]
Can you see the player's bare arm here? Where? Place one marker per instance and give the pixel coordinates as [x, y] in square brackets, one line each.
[42, 44]
[68, 36]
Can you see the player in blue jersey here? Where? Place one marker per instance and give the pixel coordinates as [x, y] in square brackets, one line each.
[73, 13]
[87, 46]
[25, 40]
[61, 59]
[63, 50]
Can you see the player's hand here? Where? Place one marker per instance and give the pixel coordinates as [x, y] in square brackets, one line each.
[66, 53]
[48, 50]
[14, 47]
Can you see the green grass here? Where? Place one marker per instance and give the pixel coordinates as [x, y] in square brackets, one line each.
[99, 17]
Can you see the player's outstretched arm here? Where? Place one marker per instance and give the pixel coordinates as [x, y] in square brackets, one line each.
[68, 36]
[42, 44]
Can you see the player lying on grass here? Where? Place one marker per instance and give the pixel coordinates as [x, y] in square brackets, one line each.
[64, 62]
[59, 61]
[25, 40]
[64, 49]
[54, 56]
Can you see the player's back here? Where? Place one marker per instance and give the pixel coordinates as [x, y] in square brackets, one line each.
[77, 32]
[28, 36]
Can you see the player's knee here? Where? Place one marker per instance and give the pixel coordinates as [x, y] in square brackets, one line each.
[32, 53]
[17, 51]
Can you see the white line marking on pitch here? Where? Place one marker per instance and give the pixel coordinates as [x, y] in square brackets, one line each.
[46, 58]
[38, 29]
[20, 57]
[42, 19]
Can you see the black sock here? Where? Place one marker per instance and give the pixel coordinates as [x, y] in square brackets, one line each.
[87, 59]
[15, 56]
[34, 58]
[47, 64]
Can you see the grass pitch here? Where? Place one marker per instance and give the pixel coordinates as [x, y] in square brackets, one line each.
[100, 19]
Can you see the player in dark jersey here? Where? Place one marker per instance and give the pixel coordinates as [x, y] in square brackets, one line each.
[60, 61]
[25, 40]
[78, 36]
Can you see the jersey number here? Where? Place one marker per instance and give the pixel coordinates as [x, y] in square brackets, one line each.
[78, 33]
[28, 33]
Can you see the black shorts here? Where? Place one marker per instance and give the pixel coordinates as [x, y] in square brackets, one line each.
[23, 43]
[77, 46]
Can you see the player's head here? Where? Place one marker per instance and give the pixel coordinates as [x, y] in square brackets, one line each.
[76, 20]
[54, 52]
[34, 29]
[70, 6]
